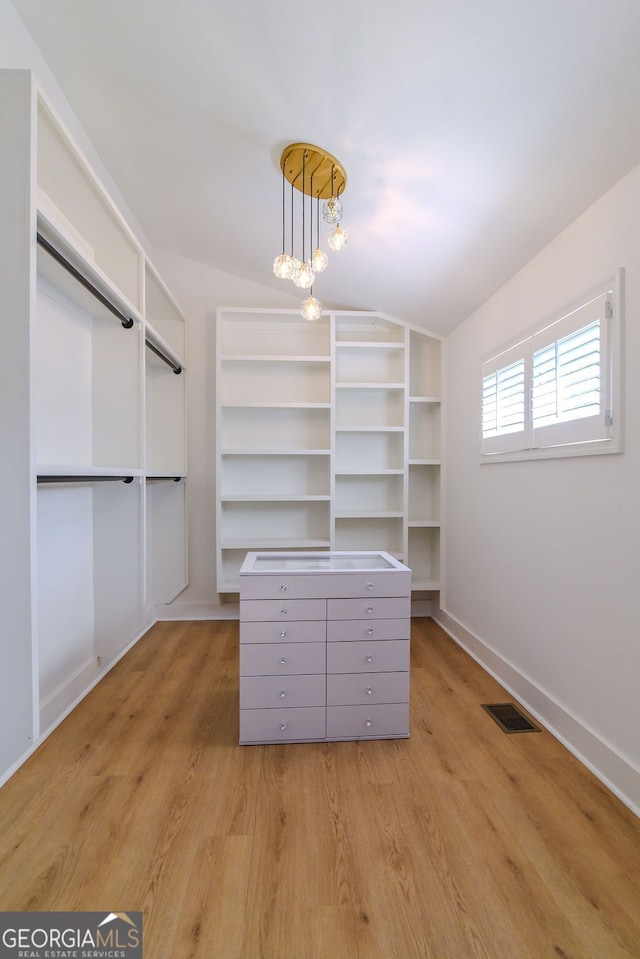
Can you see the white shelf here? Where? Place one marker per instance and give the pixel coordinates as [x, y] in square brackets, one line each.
[153, 337]
[274, 542]
[369, 514]
[60, 235]
[81, 469]
[361, 345]
[254, 405]
[280, 358]
[273, 452]
[419, 585]
[326, 475]
[275, 498]
[152, 476]
[369, 472]
[369, 429]
[369, 386]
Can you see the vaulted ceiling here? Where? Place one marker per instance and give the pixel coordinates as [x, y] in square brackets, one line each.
[471, 132]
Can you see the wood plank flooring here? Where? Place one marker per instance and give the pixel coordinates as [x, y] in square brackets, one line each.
[459, 843]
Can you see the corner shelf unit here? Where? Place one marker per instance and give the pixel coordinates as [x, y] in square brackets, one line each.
[96, 503]
[328, 437]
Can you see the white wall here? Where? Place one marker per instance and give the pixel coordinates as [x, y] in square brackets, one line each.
[199, 290]
[542, 559]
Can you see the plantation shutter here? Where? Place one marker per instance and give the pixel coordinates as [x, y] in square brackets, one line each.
[504, 402]
[570, 388]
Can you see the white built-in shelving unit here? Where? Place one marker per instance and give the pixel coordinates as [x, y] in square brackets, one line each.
[328, 437]
[92, 427]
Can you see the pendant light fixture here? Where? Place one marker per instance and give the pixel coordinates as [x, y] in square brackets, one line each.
[317, 175]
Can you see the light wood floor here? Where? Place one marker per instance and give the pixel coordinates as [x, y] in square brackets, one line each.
[460, 842]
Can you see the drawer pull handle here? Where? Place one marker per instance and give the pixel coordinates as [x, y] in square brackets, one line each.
[283, 633]
[368, 659]
[283, 611]
[283, 589]
[369, 609]
[370, 630]
[283, 726]
[368, 690]
[283, 693]
[369, 585]
[368, 722]
[283, 661]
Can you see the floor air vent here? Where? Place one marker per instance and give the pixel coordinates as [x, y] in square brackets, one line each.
[509, 718]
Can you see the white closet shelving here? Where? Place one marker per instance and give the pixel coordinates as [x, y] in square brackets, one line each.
[274, 436]
[327, 438]
[370, 359]
[424, 462]
[95, 429]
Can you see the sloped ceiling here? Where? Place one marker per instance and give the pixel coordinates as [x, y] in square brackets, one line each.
[471, 132]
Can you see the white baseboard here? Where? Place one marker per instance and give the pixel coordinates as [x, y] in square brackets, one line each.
[601, 759]
[174, 612]
[69, 693]
[57, 706]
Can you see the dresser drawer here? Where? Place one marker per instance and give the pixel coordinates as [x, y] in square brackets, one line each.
[397, 607]
[346, 630]
[283, 692]
[300, 631]
[282, 725]
[348, 689]
[368, 657]
[373, 722]
[282, 659]
[275, 610]
[322, 585]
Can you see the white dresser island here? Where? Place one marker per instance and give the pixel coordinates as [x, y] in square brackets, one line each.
[324, 647]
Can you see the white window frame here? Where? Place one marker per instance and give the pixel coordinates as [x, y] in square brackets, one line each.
[585, 435]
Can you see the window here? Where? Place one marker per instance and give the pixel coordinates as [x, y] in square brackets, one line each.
[552, 393]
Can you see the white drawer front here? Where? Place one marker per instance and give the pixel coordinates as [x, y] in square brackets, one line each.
[349, 688]
[398, 607]
[303, 585]
[368, 657]
[301, 631]
[282, 659]
[282, 725]
[346, 630]
[282, 692]
[375, 721]
[273, 610]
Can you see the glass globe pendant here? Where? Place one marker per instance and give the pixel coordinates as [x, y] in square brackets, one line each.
[304, 276]
[311, 308]
[319, 260]
[295, 266]
[338, 238]
[332, 210]
[282, 266]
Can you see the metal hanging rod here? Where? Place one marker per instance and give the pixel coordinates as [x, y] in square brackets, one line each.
[126, 321]
[163, 356]
[76, 478]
